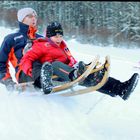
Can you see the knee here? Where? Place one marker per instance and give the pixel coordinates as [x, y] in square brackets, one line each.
[57, 64]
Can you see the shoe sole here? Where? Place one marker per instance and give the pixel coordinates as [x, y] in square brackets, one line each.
[46, 78]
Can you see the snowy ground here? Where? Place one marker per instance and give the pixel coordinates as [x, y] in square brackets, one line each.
[93, 116]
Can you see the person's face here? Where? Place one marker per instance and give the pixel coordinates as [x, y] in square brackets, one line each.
[30, 20]
[57, 39]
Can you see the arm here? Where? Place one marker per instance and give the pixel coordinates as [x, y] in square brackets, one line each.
[34, 54]
[72, 60]
[5, 49]
[4, 57]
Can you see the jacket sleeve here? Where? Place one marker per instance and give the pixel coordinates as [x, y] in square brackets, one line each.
[4, 55]
[34, 54]
[72, 61]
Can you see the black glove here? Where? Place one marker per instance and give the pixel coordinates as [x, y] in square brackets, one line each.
[9, 83]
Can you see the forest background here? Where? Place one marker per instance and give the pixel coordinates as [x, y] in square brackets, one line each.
[93, 22]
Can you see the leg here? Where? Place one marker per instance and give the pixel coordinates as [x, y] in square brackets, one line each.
[36, 75]
[66, 72]
[114, 87]
[62, 70]
[24, 78]
[111, 87]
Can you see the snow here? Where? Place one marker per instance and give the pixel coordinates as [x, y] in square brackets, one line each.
[92, 116]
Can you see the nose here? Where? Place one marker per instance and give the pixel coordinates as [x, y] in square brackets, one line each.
[59, 39]
[34, 18]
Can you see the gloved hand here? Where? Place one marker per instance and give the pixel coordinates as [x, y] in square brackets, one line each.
[9, 83]
[79, 64]
[80, 68]
[76, 65]
[27, 47]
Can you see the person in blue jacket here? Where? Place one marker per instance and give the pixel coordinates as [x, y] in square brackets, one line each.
[12, 48]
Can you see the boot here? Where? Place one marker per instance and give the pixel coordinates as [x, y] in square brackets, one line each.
[93, 79]
[81, 68]
[128, 87]
[114, 87]
[46, 78]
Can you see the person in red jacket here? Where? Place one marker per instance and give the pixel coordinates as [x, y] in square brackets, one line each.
[52, 56]
[54, 50]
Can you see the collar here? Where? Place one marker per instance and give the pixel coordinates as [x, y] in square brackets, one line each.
[27, 30]
[23, 28]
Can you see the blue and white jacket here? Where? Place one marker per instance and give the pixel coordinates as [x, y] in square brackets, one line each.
[12, 50]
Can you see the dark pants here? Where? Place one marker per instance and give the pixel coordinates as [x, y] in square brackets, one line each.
[35, 75]
[63, 71]
[112, 87]
[60, 69]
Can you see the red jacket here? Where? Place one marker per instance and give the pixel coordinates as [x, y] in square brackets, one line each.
[45, 50]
